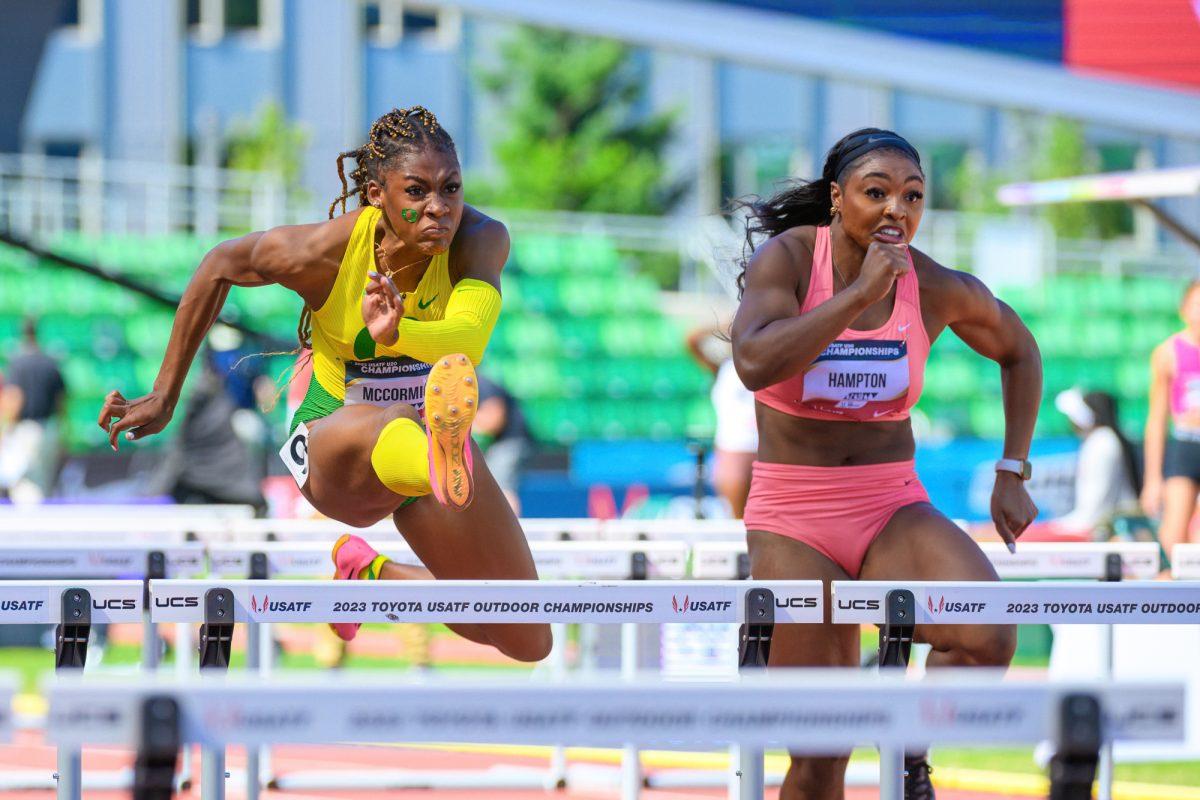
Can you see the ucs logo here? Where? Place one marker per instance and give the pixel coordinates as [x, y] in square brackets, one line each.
[115, 604]
[795, 602]
[857, 604]
[176, 602]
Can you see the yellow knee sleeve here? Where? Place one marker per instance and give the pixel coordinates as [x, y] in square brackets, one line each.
[401, 458]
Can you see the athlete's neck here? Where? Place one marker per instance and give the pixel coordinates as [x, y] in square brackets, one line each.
[397, 259]
[847, 255]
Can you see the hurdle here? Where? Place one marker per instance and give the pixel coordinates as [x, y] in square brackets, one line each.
[218, 605]
[898, 606]
[563, 560]
[8, 690]
[72, 606]
[1185, 562]
[816, 711]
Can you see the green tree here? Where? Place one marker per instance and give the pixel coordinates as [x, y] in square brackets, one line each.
[1064, 155]
[269, 142]
[575, 138]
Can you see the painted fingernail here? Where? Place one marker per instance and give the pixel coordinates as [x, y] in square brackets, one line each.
[1012, 548]
[129, 436]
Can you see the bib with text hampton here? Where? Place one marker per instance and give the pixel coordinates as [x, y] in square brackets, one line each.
[385, 381]
[849, 374]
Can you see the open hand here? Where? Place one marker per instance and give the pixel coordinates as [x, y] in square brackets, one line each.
[139, 417]
[382, 309]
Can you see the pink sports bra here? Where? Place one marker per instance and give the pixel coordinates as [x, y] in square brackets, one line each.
[1185, 385]
[862, 376]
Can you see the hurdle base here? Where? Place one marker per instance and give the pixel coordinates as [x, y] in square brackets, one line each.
[43, 779]
[857, 774]
[499, 777]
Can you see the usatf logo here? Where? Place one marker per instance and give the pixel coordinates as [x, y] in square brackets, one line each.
[680, 608]
[953, 607]
[707, 606]
[259, 607]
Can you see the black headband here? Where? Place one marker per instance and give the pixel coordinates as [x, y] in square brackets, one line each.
[874, 141]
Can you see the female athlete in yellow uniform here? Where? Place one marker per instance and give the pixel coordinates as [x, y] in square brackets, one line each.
[401, 296]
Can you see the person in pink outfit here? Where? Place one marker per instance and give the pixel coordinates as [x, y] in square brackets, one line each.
[837, 316]
[1172, 466]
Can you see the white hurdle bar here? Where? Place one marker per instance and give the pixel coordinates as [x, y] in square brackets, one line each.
[617, 602]
[43, 603]
[583, 560]
[1185, 562]
[813, 711]
[990, 603]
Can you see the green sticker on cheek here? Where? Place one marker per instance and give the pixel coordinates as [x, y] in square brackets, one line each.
[410, 215]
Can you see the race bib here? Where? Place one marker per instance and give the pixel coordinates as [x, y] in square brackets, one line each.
[850, 374]
[295, 454]
[386, 381]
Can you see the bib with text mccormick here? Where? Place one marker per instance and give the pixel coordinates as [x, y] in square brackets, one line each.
[384, 381]
[852, 373]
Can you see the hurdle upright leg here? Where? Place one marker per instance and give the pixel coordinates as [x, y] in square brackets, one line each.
[70, 653]
[747, 779]
[557, 778]
[631, 763]
[1113, 572]
[895, 645]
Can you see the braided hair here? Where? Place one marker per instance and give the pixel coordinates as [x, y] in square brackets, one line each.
[399, 133]
[807, 202]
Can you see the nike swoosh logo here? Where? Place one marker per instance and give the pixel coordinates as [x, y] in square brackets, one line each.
[426, 305]
[881, 413]
[900, 328]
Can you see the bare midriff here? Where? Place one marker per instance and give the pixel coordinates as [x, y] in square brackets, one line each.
[786, 439]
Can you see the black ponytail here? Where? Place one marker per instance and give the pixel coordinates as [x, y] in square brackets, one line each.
[808, 202]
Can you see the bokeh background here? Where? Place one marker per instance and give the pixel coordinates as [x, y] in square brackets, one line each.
[609, 135]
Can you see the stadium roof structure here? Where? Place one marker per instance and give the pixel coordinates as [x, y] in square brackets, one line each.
[787, 42]
[1139, 187]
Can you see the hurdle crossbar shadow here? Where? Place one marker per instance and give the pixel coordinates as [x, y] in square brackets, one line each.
[219, 605]
[817, 711]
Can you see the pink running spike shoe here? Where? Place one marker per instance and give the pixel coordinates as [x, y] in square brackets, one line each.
[351, 555]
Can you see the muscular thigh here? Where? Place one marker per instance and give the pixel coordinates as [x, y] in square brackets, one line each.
[920, 544]
[483, 541]
[775, 557]
[342, 483]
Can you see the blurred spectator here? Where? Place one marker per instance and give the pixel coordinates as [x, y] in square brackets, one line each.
[207, 462]
[1107, 484]
[1172, 476]
[31, 405]
[735, 444]
[503, 436]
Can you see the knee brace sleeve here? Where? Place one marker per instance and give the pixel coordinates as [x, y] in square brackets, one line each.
[401, 458]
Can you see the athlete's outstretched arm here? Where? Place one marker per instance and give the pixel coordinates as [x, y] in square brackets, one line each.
[994, 330]
[281, 255]
[771, 341]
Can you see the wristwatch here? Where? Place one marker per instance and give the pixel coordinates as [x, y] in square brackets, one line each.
[1018, 466]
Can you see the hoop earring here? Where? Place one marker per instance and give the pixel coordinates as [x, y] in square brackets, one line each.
[833, 211]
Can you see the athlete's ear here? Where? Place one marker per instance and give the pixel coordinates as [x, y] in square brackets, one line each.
[375, 193]
[835, 195]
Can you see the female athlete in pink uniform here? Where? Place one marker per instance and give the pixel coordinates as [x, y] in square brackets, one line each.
[833, 331]
[1173, 466]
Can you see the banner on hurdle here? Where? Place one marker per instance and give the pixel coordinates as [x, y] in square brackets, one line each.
[1139, 602]
[816, 712]
[40, 602]
[98, 561]
[582, 560]
[1139, 560]
[1185, 562]
[485, 601]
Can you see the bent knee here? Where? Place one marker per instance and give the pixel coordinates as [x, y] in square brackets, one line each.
[402, 411]
[532, 643]
[994, 648]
